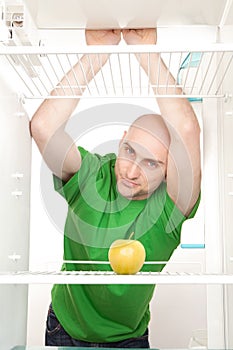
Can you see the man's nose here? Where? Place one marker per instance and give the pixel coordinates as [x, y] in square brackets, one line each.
[133, 170]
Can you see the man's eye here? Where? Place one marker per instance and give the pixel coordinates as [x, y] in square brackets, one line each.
[129, 150]
[151, 164]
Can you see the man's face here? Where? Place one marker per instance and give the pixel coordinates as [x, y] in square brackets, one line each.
[141, 164]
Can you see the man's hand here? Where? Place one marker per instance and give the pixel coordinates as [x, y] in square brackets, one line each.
[103, 37]
[146, 36]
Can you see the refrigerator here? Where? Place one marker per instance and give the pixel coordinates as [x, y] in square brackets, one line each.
[39, 42]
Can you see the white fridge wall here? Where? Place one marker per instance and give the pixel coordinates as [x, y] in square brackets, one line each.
[122, 13]
[226, 35]
[15, 156]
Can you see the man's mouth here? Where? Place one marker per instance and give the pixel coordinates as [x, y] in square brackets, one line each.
[129, 183]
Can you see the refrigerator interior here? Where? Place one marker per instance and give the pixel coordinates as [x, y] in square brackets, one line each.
[40, 41]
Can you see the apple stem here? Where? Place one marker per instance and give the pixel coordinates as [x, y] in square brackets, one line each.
[131, 235]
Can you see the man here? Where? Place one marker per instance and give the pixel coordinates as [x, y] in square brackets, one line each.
[151, 188]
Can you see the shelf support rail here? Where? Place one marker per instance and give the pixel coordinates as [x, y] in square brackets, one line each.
[109, 277]
[40, 70]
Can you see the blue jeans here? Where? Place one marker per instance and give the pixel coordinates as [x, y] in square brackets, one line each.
[57, 336]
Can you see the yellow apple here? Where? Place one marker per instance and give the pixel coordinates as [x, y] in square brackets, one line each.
[126, 256]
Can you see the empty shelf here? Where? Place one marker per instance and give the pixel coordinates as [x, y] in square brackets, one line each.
[107, 277]
[199, 71]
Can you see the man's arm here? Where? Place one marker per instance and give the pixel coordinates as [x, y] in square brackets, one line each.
[184, 165]
[49, 121]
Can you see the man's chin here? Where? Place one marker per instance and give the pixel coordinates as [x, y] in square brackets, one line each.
[125, 191]
[129, 194]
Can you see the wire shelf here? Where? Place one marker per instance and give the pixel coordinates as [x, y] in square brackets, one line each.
[109, 277]
[199, 72]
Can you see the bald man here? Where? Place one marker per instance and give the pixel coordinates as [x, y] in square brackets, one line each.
[150, 188]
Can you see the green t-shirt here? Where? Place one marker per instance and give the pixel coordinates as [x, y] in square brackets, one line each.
[97, 216]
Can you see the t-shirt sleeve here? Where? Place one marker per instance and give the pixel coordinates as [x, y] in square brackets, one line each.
[175, 218]
[170, 216]
[71, 189]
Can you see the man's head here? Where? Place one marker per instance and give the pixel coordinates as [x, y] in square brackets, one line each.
[142, 160]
